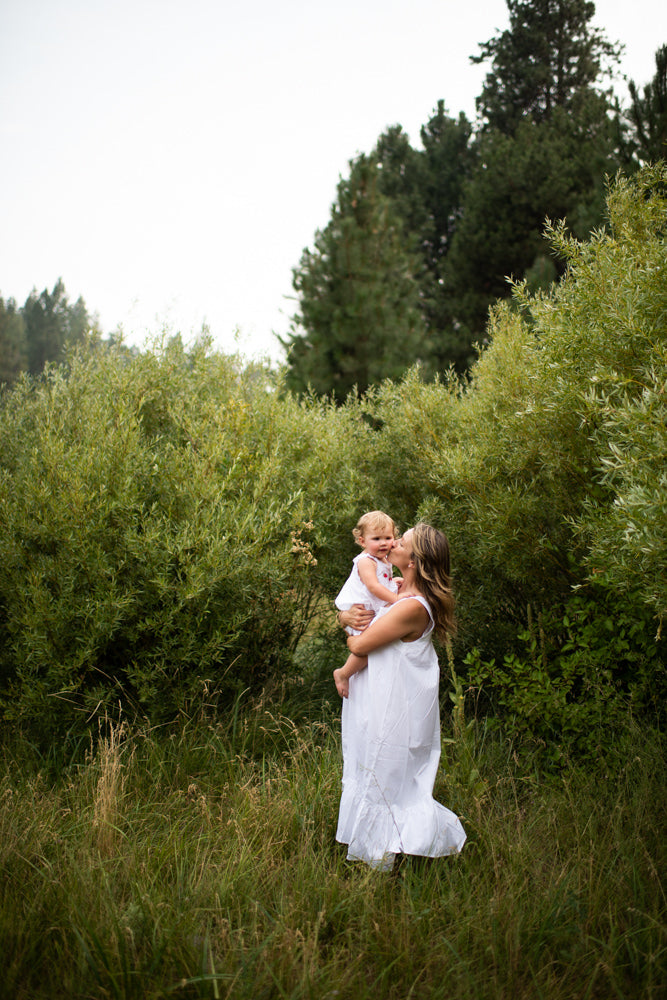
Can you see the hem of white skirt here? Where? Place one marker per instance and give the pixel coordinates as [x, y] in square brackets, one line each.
[383, 864]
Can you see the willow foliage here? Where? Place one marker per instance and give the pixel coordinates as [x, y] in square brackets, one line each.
[160, 516]
[548, 472]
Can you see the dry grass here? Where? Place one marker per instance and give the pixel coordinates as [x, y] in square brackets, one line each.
[110, 767]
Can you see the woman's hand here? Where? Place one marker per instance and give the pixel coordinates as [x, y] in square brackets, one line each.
[357, 617]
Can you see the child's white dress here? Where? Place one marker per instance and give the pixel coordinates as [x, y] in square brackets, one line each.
[391, 752]
[355, 591]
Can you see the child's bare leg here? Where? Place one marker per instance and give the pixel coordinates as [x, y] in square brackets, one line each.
[342, 675]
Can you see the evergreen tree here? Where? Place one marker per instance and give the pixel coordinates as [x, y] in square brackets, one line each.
[402, 177]
[449, 159]
[546, 143]
[648, 113]
[12, 342]
[359, 319]
[548, 58]
[425, 187]
[51, 323]
[555, 169]
[460, 216]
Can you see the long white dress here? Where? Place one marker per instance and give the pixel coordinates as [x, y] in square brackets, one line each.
[391, 752]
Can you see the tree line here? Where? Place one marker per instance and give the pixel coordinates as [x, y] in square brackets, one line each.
[421, 241]
[40, 331]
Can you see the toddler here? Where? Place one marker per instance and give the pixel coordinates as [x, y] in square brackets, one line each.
[370, 583]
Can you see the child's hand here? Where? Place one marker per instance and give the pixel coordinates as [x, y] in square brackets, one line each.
[357, 617]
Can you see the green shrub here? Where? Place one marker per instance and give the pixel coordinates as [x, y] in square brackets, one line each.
[547, 469]
[172, 524]
[163, 519]
[562, 425]
[577, 677]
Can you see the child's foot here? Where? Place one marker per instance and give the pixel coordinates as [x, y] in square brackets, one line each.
[342, 683]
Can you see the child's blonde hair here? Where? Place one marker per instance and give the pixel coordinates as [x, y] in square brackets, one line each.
[374, 520]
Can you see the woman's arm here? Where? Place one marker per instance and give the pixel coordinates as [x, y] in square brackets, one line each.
[405, 620]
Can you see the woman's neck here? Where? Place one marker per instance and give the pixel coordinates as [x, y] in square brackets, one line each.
[409, 583]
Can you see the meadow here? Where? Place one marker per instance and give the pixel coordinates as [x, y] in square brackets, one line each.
[200, 861]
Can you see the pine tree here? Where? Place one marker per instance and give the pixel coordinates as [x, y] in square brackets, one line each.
[546, 141]
[359, 319]
[449, 159]
[51, 323]
[425, 187]
[648, 113]
[548, 58]
[12, 342]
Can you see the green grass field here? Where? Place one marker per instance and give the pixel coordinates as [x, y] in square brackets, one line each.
[202, 863]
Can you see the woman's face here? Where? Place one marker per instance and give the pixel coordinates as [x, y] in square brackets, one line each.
[401, 554]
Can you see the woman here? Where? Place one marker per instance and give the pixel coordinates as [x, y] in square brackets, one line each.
[391, 720]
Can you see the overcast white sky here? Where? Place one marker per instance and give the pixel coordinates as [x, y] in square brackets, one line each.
[170, 159]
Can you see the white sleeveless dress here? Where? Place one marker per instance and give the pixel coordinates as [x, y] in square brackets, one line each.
[391, 752]
[355, 591]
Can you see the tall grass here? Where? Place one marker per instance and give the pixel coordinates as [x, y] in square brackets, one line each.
[201, 862]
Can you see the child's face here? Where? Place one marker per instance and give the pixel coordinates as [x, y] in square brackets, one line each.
[378, 543]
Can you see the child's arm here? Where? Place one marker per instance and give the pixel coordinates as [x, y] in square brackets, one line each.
[369, 579]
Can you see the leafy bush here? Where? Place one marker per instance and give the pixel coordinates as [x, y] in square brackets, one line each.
[580, 677]
[162, 524]
[547, 471]
[171, 525]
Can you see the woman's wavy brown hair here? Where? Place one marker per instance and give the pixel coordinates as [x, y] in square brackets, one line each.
[430, 553]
